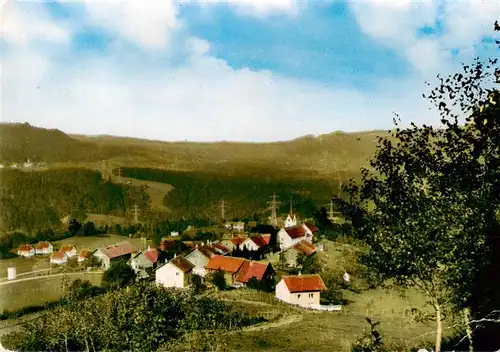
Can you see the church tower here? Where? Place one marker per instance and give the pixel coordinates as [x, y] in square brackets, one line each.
[291, 219]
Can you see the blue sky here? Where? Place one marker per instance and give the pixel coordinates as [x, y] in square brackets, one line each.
[250, 70]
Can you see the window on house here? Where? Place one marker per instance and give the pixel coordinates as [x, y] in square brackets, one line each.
[298, 296]
[311, 295]
[177, 274]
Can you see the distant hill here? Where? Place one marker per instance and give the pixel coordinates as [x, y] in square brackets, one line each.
[308, 155]
[20, 142]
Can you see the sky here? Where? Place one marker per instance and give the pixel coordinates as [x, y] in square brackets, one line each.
[261, 70]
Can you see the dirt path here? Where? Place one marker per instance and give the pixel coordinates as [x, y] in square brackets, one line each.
[286, 320]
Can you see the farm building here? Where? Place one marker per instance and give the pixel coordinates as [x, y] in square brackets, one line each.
[290, 255]
[26, 250]
[119, 251]
[220, 248]
[44, 248]
[58, 258]
[175, 273]
[69, 250]
[301, 290]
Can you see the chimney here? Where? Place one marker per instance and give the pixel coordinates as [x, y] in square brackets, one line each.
[196, 245]
[300, 273]
[251, 262]
[149, 247]
[175, 255]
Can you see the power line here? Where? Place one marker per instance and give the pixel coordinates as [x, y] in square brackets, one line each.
[223, 208]
[274, 205]
[136, 211]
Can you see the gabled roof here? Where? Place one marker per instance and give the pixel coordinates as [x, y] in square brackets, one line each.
[66, 248]
[182, 263]
[42, 245]
[118, 249]
[57, 255]
[295, 232]
[151, 255]
[305, 248]
[304, 283]
[261, 240]
[237, 240]
[207, 251]
[84, 253]
[25, 248]
[251, 269]
[227, 264]
[311, 227]
[193, 244]
[219, 247]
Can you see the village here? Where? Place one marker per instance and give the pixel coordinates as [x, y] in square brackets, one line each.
[244, 259]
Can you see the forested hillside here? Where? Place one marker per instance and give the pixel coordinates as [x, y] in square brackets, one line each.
[245, 194]
[38, 200]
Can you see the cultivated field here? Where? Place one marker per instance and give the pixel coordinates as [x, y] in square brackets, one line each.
[94, 242]
[15, 295]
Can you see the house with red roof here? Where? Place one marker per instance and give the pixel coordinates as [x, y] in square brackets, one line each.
[144, 259]
[256, 242]
[26, 250]
[301, 290]
[84, 255]
[58, 258]
[174, 273]
[115, 252]
[288, 237]
[44, 248]
[69, 250]
[234, 242]
[251, 269]
[239, 271]
[289, 256]
[230, 266]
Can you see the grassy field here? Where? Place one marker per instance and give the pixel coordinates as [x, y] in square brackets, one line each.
[36, 292]
[329, 331]
[94, 242]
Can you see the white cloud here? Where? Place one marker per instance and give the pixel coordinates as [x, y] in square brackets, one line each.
[24, 23]
[256, 7]
[203, 100]
[396, 24]
[147, 25]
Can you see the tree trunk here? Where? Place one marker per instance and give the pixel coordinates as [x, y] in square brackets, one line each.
[468, 329]
[439, 327]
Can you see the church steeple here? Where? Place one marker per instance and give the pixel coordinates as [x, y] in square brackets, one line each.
[291, 205]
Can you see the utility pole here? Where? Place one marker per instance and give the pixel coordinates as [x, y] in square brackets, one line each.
[119, 174]
[274, 205]
[136, 211]
[223, 208]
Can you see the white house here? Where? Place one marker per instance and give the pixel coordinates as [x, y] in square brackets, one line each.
[175, 273]
[58, 258]
[256, 242]
[174, 234]
[288, 237]
[310, 230]
[301, 290]
[25, 250]
[69, 250]
[44, 248]
[199, 257]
